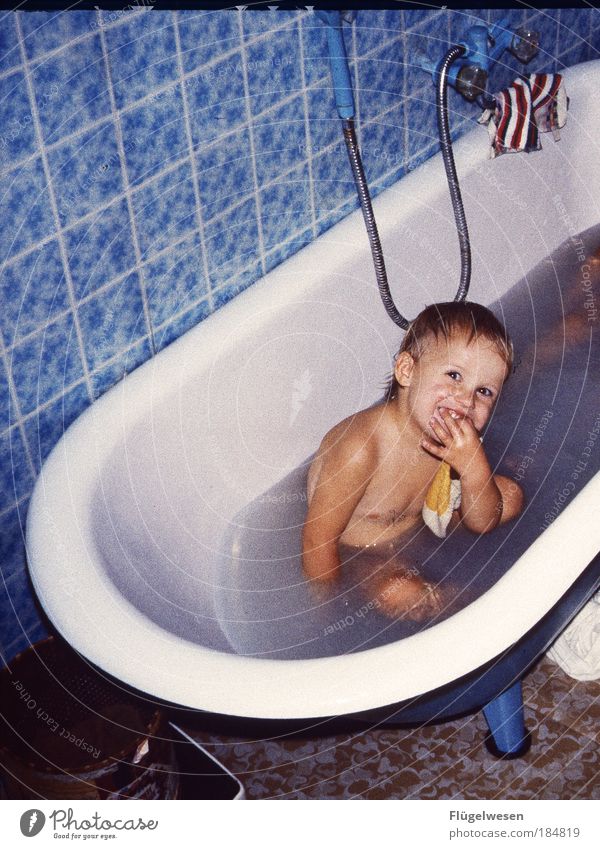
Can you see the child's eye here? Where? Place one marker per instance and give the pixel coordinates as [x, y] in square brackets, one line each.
[487, 393]
[453, 375]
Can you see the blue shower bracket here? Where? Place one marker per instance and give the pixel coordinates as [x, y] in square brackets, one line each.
[340, 73]
[483, 47]
[505, 719]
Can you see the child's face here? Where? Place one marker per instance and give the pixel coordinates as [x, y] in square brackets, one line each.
[465, 377]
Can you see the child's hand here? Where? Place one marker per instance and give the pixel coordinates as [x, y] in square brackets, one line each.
[458, 442]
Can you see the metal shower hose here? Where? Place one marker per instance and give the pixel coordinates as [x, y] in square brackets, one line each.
[453, 186]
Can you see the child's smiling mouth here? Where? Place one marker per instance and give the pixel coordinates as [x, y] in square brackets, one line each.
[456, 414]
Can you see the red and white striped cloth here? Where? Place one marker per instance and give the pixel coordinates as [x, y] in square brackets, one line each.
[524, 109]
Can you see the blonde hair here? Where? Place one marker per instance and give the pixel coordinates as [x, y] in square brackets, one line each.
[452, 318]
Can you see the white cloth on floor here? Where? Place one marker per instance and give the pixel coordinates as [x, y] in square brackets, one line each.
[577, 650]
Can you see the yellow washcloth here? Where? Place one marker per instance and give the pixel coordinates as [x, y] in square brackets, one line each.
[443, 497]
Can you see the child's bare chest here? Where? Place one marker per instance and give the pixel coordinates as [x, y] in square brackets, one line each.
[396, 492]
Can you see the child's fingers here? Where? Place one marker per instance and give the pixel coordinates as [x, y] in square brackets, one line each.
[451, 423]
[439, 451]
[441, 431]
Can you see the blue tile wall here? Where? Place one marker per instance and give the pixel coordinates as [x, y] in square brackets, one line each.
[175, 281]
[142, 55]
[5, 402]
[119, 235]
[33, 291]
[224, 172]
[86, 172]
[273, 68]
[27, 215]
[15, 472]
[112, 320]
[9, 44]
[313, 40]
[156, 135]
[165, 209]
[44, 32]
[289, 200]
[12, 541]
[17, 141]
[215, 97]
[205, 36]
[70, 89]
[280, 140]
[100, 249]
[45, 363]
[45, 427]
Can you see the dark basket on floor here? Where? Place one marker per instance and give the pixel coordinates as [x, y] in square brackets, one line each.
[66, 732]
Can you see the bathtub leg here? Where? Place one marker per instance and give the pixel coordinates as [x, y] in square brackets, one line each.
[504, 715]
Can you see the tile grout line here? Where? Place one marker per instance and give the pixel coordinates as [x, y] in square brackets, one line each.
[54, 208]
[257, 203]
[193, 163]
[15, 503]
[19, 421]
[187, 309]
[308, 141]
[125, 177]
[119, 278]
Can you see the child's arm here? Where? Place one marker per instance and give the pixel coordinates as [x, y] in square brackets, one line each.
[487, 500]
[346, 466]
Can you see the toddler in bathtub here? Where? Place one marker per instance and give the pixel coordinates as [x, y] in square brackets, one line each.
[374, 471]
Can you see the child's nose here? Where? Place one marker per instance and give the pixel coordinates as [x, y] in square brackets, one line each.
[464, 397]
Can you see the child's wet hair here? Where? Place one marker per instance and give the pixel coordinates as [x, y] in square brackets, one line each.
[451, 318]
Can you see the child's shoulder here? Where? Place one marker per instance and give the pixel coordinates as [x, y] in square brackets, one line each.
[361, 429]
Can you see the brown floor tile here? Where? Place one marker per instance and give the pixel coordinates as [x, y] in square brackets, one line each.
[444, 761]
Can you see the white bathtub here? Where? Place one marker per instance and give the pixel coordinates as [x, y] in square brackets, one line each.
[151, 475]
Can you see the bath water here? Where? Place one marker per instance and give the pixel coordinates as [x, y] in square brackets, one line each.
[545, 433]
